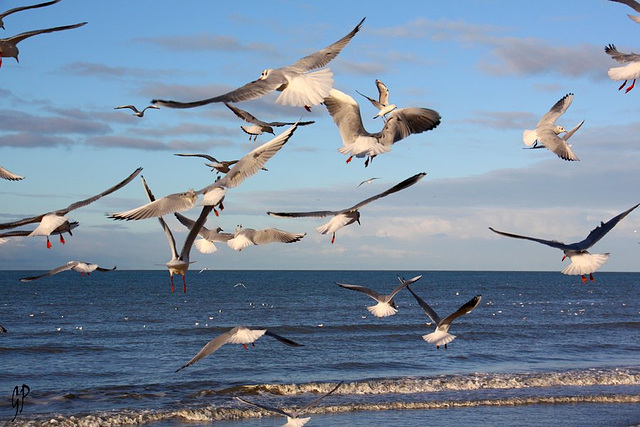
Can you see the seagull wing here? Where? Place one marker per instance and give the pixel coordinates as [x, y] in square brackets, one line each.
[556, 144]
[315, 401]
[131, 107]
[18, 38]
[163, 224]
[252, 162]
[267, 408]
[466, 308]
[401, 186]
[67, 266]
[552, 243]
[383, 92]
[315, 214]
[569, 134]
[5, 174]
[172, 203]
[102, 269]
[403, 284]
[324, 56]
[600, 231]
[407, 121]
[33, 6]
[210, 347]
[373, 294]
[272, 235]
[631, 3]
[282, 339]
[245, 115]
[345, 112]
[193, 233]
[375, 102]
[206, 156]
[558, 109]
[426, 307]
[619, 56]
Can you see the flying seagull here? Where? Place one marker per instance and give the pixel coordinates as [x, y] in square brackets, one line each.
[358, 142]
[79, 266]
[386, 305]
[382, 103]
[213, 195]
[222, 166]
[632, 4]
[441, 336]
[238, 335]
[66, 227]
[293, 417]
[18, 9]
[546, 132]
[258, 127]
[367, 181]
[350, 215]
[179, 263]
[10, 176]
[299, 87]
[206, 243]
[244, 237]
[50, 221]
[9, 46]
[137, 112]
[582, 262]
[626, 72]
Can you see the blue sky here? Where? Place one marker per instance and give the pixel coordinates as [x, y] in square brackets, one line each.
[490, 68]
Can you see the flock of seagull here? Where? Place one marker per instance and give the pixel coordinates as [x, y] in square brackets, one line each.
[305, 83]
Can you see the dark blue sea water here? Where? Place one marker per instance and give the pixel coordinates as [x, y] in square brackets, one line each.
[541, 348]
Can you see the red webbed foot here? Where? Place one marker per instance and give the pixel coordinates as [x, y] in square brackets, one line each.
[333, 238]
[245, 346]
[62, 240]
[584, 278]
[48, 243]
[630, 87]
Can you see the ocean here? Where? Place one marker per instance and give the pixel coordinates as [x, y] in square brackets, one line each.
[542, 348]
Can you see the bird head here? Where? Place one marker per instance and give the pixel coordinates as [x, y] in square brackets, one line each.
[559, 130]
[219, 229]
[358, 217]
[265, 73]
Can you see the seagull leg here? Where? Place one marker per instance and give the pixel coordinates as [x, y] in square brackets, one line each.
[445, 346]
[630, 87]
[245, 346]
[48, 243]
[349, 159]
[172, 288]
[622, 85]
[215, 211]
[184, 284]
[306, 107]
[333, 238]
[437, 347]
[591, 277]
[584, 278]
[62, 240]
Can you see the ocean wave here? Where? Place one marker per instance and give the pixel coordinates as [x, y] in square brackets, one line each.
[211, 414]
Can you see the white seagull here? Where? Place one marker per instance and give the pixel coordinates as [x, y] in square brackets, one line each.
[136, 112]
[238, 335]
[299, 87]
[244, 237]
[626, 72]
[21, 8]
[382, 103]
[582, 262]
[258, 127]
[66, 227]
[9, 46]
[213, 195]
[386, 305]
[179, 263]
[293, 417]
[546, 132]
[10, 176]
[350, 215]
[441, 336]
[632, 4]
[50, 221]
[79, 266]
[358, 142]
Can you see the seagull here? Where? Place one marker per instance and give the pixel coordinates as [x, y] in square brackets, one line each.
[582, 262]
[238, 335]
[206, 243]
[79, 266]
[358, 142]
[382, 103]
[441, 335]
[179, 263]
[367, 181]
[18, 9]
[10, 176]
[50, 221]
[546, 132]
[530, 136]
[213, 195]
[66, 227]
[632, 4]
[222, 166]
[9, 46]
[258, 127]
[137, 112]
[244, 237]
[350, 215]
[293, 417]
[299, 87]
[386, 305]
[626, 72]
